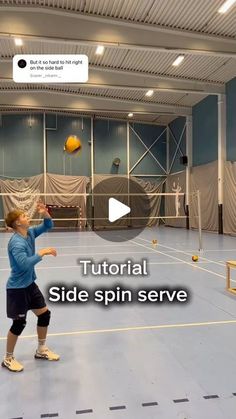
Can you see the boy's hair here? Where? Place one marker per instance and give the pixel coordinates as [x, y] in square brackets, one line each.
[12, 216]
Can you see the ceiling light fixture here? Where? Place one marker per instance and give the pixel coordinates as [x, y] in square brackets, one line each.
[130, 115]
[100, 50]
[226, 6]
[18, 42]
[178, 60]
[149, 93]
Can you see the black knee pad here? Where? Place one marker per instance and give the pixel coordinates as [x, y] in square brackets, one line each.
[44, 319]
[18, 326]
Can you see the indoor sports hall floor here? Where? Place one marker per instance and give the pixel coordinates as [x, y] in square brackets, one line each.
[129, 361]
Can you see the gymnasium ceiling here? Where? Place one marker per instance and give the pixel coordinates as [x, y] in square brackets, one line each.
[142, 38]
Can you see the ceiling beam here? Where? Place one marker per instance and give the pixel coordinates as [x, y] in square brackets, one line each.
[162, 120]
[149, 118]
[75, 27]
[48, 98]
[157, 81]
[121, 79]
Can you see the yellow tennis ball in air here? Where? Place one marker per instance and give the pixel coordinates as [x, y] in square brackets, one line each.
[72, 144]
[195, 258]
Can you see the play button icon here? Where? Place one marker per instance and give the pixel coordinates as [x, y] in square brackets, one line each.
[118, 207]
[117, 210]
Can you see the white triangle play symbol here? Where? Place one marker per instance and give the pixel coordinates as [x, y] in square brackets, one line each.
[117, 210]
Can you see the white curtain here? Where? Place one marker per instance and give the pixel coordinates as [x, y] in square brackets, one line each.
[57, 184]
[175, 205]
[204, 178]
[229, 210]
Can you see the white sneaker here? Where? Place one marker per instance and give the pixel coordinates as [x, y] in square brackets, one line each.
[47, 354]
[12, 364]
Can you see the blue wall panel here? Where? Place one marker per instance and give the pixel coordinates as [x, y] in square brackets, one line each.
[58, 161]
[205, 131]
[21, 145]
[148, 134]
[109, 143]
[177, 128]
[21, 142]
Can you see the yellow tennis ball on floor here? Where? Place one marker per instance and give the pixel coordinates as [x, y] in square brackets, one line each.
[195, 258]
[72, 144]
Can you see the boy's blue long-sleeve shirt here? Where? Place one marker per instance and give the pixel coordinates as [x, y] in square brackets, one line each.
[22, 257]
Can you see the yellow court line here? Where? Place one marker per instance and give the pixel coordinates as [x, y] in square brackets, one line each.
[134, 328]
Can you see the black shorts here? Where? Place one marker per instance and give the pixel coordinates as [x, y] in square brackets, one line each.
[20, 300]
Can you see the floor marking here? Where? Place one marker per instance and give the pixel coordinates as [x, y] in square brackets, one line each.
[131, 329]
[80, 412]
[181, 400]
[94, 245]
[182, 251]
[49, 267]
[176, 263]
[86, 254]
[75, 236]
[123, 407]
[117, 407]
[84, 245]
[149, 404]
[174, 257]
[98, 253]
[194, 265]
[80, 266]
[192, 251]
[220, 250]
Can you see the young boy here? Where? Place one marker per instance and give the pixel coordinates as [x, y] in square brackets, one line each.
[22, 292]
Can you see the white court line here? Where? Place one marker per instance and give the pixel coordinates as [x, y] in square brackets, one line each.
[98, 253]
[84, 245]
[51, 236]
[95, 245]
[70, 237]
[80, 266]
[87, 245]
[220, 250]
[176, 263]
[180, 260]
[165, 254]
[87, 254]
[192, 252]
[131, 329]
[48, 267]
[182, 251]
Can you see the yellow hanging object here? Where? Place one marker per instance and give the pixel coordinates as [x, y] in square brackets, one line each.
[72, 144]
